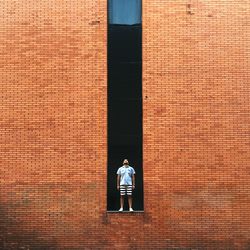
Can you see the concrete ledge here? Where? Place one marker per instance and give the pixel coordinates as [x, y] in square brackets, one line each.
[126, 212]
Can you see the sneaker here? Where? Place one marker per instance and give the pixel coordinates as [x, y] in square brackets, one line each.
[131, 209]
[121, 209]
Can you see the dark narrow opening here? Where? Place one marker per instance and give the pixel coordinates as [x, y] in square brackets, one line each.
[124, 97]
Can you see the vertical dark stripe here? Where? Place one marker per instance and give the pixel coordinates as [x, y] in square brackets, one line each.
[124, 107]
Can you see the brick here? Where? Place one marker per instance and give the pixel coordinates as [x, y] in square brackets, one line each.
[53, 84]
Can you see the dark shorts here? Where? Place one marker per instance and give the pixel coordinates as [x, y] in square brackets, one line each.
[126, 190]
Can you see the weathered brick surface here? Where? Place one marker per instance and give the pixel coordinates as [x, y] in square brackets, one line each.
[53, 127]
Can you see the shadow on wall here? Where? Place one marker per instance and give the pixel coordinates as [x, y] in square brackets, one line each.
[12, 236]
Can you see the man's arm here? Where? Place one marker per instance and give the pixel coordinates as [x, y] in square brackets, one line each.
[118, 181]
[133, 181]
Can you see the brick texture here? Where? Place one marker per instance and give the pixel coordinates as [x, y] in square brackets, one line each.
[53, 128]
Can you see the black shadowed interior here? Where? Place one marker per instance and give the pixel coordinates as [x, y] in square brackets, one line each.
[124, 108]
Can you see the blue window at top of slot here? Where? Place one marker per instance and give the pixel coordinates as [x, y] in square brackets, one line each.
[125, 12]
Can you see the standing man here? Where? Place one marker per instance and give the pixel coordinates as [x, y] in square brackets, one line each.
[126, 183]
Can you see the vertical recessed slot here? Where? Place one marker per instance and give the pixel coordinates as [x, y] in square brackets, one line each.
[124, 96]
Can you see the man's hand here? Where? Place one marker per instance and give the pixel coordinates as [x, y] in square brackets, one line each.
[133, 187]
[118, 187]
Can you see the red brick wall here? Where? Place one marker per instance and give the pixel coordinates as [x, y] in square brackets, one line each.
[54, 133]
[196, 123]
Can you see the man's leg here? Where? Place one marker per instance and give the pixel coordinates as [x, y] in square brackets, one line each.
[121, 201]
[130, 201]
[129, 193]
[122, 193]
